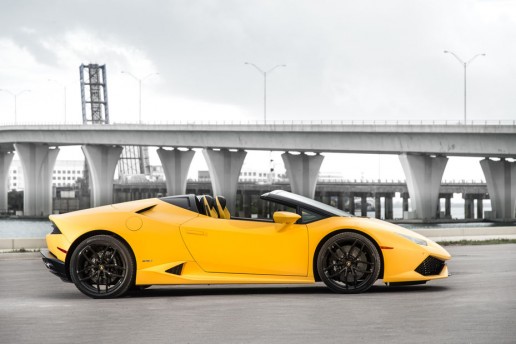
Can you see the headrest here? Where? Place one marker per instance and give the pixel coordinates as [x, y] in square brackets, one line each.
[222, 209]
[222, 201]
[210, 207]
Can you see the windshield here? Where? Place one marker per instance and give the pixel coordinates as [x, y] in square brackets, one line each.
[311, 203]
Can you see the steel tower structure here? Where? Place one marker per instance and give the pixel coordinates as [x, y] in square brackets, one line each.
[95, 110]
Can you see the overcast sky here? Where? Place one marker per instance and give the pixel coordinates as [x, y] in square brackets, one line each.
[346, 60]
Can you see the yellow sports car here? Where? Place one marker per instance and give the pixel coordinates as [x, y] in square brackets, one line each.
[110, 250]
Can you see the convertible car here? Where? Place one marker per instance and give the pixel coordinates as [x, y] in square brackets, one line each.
[111, 250]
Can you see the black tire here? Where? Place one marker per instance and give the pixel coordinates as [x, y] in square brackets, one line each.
[349, 263]
[102, 267]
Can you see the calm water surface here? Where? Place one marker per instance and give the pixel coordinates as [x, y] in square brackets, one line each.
[24, 228]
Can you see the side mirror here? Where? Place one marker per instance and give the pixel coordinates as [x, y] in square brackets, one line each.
[285, 217]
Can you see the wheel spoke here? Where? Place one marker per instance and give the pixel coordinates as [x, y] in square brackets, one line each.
[363, 271]
[351, 248]
[82, 279]
[337, 273]
[115, 266]
[331, 266]
[334, 254]
[98, 282]
[358, 261]
[113, 274]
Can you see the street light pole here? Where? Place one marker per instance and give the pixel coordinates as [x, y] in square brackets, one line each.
[15, 96]
[139, 80]
[465, 65]
[264, 73]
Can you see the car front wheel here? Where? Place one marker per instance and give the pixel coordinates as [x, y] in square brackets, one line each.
[102, 267]
[349, 263]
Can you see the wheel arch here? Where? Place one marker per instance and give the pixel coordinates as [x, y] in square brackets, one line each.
[89, 235]
[338, 231]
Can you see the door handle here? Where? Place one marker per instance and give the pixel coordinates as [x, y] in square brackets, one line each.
[195, 232]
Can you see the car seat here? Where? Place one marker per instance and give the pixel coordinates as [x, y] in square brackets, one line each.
[221, 206]
[209, 206]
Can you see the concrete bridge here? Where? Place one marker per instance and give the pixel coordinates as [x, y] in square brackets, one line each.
[423, 151]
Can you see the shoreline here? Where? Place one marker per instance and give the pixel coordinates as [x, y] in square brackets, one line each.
[447, 234]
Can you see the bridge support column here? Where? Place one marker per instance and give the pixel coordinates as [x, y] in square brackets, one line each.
[342, 201]
[388, 207]
[423, 174]
[377, 206]
[38, 164]
[468, 207]
[102, 161]
[176, 164]
[5, 162]
[326, 198]
[352, 203]
[302, 171]
[404, 205]
[501, 185]
[363, 205]
[447, 207]
[225, 167]
[480, 207]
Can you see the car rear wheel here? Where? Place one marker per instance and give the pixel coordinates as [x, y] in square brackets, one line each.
[102, 267]
[348, 263]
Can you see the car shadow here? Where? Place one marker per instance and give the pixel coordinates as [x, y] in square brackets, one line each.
[185, 291]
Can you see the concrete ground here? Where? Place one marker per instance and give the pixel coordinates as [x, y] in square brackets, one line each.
[475, 305]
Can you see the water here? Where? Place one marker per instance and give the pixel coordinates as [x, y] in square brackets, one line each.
[24, 228]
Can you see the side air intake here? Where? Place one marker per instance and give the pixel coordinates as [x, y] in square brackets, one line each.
[430, 266]
[176, 270]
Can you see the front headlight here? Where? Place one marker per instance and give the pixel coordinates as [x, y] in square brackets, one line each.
[414, 240]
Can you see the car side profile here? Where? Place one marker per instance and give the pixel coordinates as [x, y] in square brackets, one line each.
[178, 240]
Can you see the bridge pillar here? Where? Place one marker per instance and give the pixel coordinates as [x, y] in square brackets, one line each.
[302, 171]
[480, 207]
[225, 166]
[447, 206]
[38, 164]
[363, 204]
[5, 162]
[469, 205]
[352, 203]
[102, 161]
[388, 207]
[378, 206]
[405, 205]
[423, 174]
[342, 201]
[501, 185]
[176, 164]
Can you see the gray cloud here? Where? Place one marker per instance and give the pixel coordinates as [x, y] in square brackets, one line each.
[346, 59]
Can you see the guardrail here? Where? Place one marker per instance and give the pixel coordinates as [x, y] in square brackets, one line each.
[491, 122]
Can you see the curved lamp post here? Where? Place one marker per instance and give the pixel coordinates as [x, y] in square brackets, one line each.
[465, 64]
[140, 80]
[264, 73]
[15, 95]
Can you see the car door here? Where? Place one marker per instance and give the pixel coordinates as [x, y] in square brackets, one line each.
[247, 246]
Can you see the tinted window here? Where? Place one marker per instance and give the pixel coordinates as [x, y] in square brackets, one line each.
[309, 216]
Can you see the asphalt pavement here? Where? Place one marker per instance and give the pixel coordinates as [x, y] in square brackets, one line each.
[477, 304]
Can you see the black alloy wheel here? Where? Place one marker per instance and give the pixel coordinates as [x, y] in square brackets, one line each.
[349, 263]
[102, 267]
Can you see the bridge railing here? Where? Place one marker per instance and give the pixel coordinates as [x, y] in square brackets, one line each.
[492, 122]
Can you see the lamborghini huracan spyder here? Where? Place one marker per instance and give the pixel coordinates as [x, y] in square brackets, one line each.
[110, 250]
